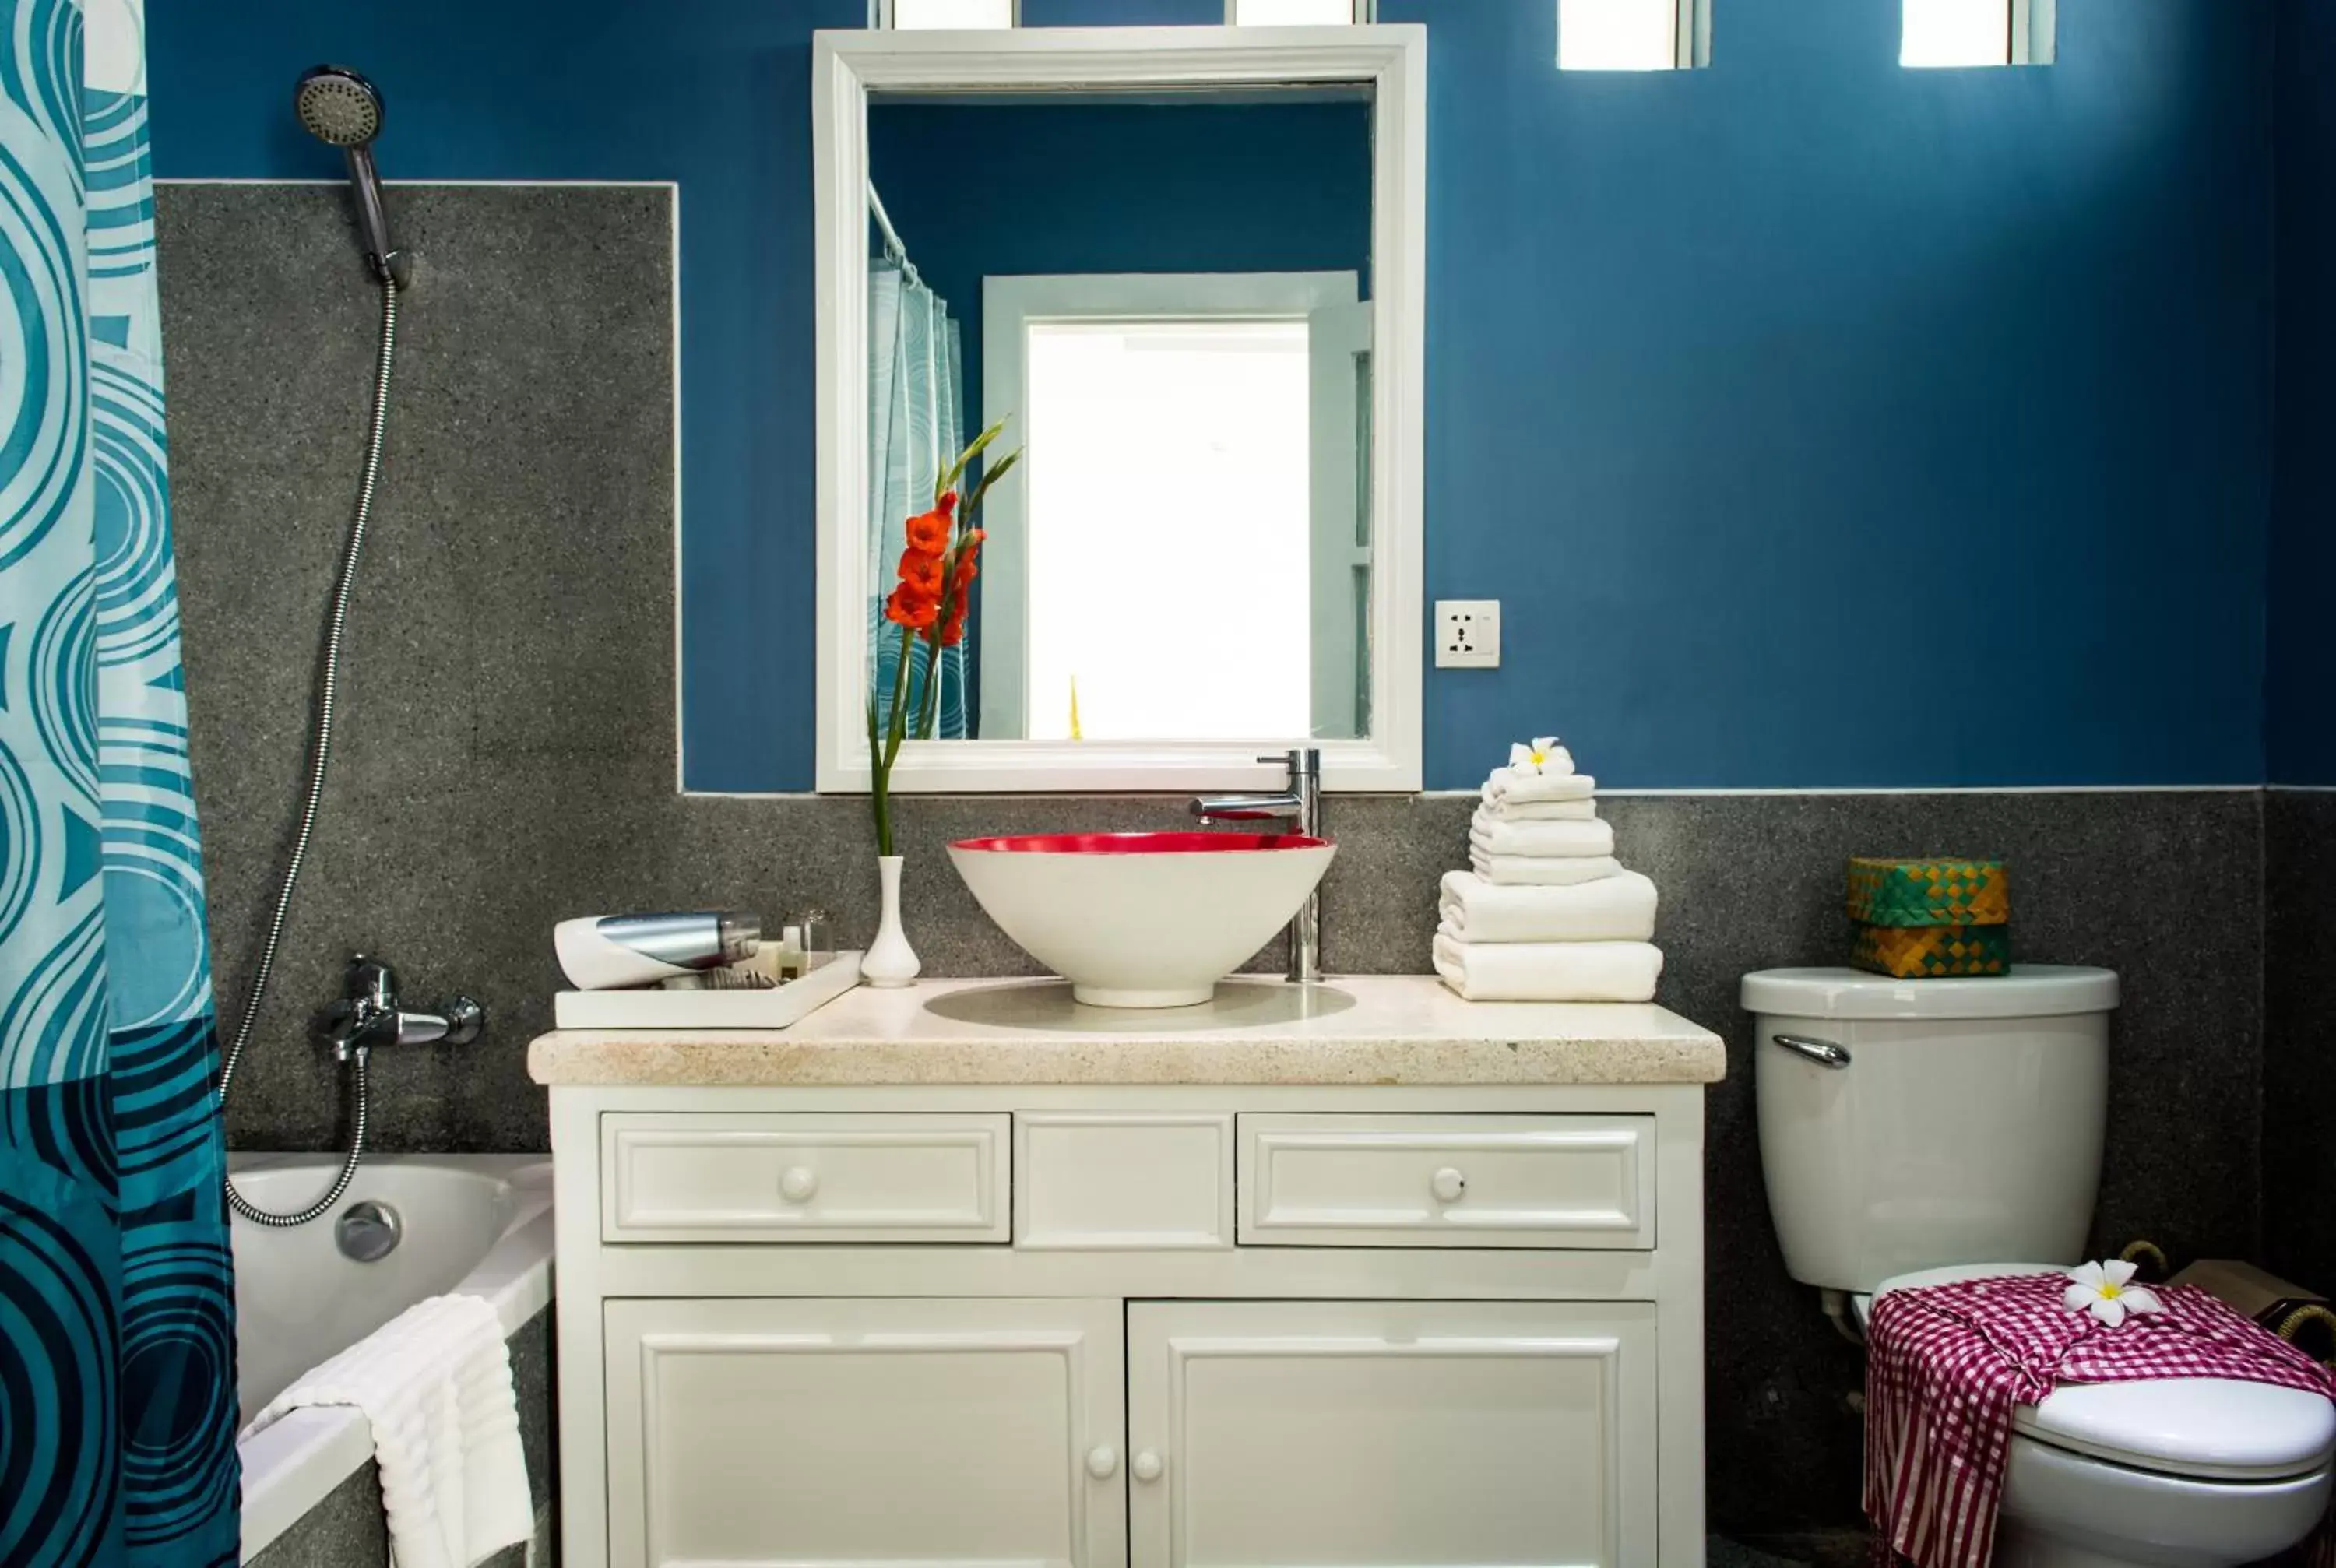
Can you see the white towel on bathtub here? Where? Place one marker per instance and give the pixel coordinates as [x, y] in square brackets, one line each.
[435, 1383]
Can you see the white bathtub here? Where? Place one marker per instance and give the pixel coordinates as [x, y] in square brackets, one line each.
[477, 1223]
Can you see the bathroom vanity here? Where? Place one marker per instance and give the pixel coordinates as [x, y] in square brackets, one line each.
[1358, 1273]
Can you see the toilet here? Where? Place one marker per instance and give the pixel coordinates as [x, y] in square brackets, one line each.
[1919, 1132]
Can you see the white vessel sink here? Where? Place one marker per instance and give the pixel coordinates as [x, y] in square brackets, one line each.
[1141, 920]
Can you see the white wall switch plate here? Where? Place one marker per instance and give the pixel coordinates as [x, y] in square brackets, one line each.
[1467, 634]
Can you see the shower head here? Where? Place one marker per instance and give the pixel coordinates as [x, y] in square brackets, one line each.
[337, 106]
[342, 109]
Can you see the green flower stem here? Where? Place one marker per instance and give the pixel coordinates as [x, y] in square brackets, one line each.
[880, 765]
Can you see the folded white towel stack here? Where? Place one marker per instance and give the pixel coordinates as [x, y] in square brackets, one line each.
[1549, 971]
[1541, 870]
[1496, 837]
[435, 1384]
[1545, 913]
[1620, 908]
[1509, 791]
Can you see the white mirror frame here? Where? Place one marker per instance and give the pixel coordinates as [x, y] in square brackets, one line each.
[844, 67]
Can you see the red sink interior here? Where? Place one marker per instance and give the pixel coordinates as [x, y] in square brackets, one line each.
[1184, 844]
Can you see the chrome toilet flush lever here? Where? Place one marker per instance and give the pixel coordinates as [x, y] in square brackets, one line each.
[1301, 806]
[369, 1015]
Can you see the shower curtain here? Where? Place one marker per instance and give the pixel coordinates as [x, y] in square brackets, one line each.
[916, 428]
[117, 1349]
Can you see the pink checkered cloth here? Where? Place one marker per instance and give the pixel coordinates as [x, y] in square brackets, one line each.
[1946, 1364]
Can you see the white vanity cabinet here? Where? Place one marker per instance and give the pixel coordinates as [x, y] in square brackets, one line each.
[887, 1289]
[840, 1430]
[1422, 1433]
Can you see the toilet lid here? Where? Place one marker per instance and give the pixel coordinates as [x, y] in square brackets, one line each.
[2213, 1429]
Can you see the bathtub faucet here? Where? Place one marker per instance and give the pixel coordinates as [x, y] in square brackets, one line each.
[369, 1015]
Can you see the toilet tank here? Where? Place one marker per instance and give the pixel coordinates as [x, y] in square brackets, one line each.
[1960, 1121]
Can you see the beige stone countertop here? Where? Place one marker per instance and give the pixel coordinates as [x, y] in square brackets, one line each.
[1376, 1029]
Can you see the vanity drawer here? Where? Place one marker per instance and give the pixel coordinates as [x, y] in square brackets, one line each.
[770, 1177]
[1310, 1181]
[1108, 1180]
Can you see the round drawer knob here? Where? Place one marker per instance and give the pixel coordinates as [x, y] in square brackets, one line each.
[1103, 1462]
[1448, 1184]
[1146, 1465]
[798, 1184]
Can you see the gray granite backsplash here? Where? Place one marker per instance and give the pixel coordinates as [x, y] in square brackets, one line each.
[2299, 1162]
[507, 759]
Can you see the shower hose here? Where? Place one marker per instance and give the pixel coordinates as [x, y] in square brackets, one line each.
[319, 755]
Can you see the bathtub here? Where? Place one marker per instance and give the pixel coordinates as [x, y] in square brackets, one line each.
[476, 1224]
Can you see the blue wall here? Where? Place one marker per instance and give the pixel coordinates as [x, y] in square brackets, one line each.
[1819, 423]
[2301, 674]
[1121, 188]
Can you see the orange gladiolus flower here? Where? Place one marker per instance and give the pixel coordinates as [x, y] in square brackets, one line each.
[909, 608]
[922, 571]
[917, 602]
[928, 531]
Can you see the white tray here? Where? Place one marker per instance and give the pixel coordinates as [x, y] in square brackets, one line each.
[651, 1008]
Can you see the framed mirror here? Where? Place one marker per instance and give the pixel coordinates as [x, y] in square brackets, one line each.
[1183, 269]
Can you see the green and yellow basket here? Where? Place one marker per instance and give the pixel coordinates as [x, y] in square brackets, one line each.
[1921, 919]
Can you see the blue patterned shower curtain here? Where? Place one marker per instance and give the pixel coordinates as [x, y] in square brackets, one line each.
[916, 428]
[117, 1353]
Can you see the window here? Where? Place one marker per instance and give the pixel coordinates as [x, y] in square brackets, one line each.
[1228, 398]
[1296, 13]
[1632, 35]
[1219, 411]
[1950, 33]
[921, 13]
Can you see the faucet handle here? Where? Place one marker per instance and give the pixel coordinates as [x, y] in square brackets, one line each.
[1303, 761]
[466, 1019]
[372, 980]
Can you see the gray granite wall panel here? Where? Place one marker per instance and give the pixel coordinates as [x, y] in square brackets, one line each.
[2300, 1036]
[507, 760]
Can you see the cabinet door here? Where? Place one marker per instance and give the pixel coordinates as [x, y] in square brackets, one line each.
[1430, 1434]
[754, 1434]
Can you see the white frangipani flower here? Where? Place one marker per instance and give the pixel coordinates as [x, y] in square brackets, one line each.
[2107, 1290]
[1531, 758]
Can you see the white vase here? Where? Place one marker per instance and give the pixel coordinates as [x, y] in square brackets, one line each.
[889, 960]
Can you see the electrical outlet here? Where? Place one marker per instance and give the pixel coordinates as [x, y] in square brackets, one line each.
[1467, 634]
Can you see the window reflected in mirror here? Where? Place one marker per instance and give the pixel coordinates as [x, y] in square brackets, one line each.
[1227, 397]
[1168, 297]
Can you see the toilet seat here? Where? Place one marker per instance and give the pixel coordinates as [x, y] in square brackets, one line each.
[2204, 1428]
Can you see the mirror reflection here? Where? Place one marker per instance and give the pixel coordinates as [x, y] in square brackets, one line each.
[1166, 298]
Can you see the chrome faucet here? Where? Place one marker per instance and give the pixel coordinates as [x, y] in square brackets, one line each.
[369, 1015]
[1301, 805]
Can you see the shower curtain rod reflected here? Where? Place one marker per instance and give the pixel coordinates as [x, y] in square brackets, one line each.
[893, 246]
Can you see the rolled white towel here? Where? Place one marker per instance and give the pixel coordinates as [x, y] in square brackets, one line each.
[1515, 811]
[435, 1384]
[1617, 909]
[1551, 783]
[1549, 971]
[1541, 870]
[1497, 836]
